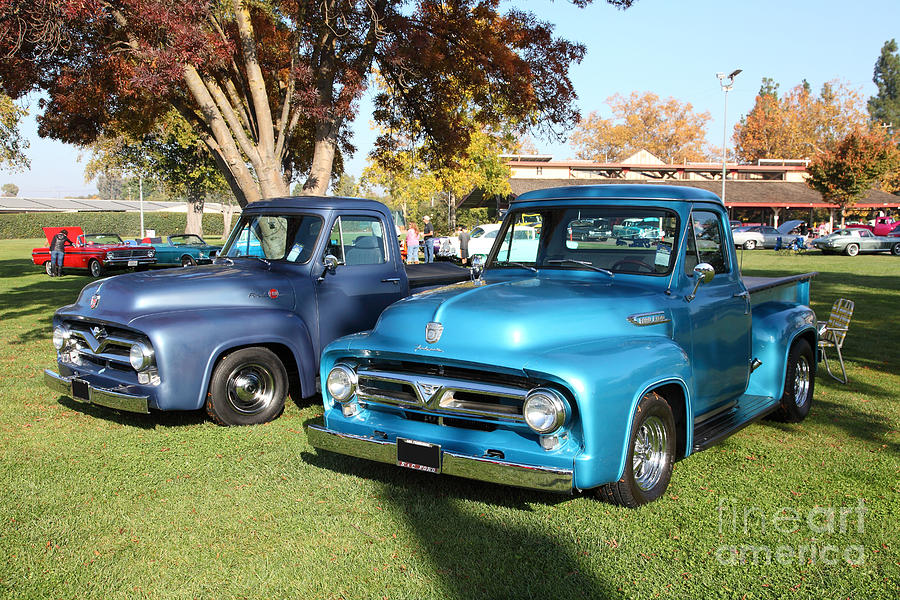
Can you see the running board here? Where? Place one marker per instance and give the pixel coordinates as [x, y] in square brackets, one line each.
[715, 429]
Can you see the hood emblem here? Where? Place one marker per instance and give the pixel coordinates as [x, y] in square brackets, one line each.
[433, 332]
[95, 300]
[99, 332]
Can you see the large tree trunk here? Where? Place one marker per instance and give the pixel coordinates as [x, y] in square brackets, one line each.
[194, 216]
[227, 214]
[322, 162]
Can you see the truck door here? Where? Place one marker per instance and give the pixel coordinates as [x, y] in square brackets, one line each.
[720, 316]
[368, 276]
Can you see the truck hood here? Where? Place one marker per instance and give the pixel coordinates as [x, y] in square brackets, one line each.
[125, 297]
[525, 315]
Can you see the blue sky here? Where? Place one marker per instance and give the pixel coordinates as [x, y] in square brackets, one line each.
[670, 47]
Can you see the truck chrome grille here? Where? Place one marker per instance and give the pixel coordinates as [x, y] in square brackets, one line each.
[103, 344]
[443, 394]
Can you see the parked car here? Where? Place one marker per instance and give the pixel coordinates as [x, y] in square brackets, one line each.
[184, 250]
[763, 236]
[853, 240]
[482, 238]
[881, 226]
[590, 230]
[237, 335]
[578, 367]
[97, 253]
[895, 232]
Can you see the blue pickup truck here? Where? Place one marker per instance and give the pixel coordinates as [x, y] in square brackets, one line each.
[236, 336]
[591, 364]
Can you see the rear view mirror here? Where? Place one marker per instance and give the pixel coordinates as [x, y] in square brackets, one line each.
[331, 262]
[703, 273]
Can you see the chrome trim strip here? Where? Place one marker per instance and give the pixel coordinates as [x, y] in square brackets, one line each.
[98, 396]
[96, 346]
[453, 463]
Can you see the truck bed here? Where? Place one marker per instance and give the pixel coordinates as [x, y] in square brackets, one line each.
[792, 288]
[436, 273]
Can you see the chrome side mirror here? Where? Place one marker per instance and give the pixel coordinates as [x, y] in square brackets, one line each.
[331, 262]
[477, 266]
[703, 273]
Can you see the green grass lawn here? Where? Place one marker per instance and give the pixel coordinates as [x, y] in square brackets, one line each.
[99, 504]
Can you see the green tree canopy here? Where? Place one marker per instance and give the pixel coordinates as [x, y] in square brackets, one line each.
[884, 107]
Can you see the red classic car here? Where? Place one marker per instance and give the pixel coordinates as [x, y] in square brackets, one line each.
[96, 252]
[882, 226]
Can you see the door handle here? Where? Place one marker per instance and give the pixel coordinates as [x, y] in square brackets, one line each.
[394, 280]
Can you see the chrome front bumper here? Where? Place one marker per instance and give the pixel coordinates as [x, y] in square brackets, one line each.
[98, 396]
[452, 463]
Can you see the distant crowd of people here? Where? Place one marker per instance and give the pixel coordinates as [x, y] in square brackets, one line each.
[425, 238]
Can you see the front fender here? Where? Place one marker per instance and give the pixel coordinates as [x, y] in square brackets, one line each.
[187, 345]
[607, 379]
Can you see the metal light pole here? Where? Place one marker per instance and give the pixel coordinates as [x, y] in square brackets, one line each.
[141, 192]
[727, 82]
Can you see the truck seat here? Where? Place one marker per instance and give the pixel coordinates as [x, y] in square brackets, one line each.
[366, 250]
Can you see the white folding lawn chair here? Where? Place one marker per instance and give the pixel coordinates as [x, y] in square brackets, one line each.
[833, 331]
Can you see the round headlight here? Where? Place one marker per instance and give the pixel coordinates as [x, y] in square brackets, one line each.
[545, 410]
[140, 356]
[341, 383]
[151, 253]
[60, 336]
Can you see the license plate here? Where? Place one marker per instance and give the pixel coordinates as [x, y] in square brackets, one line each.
[81, 390]
[420, 456]
[132, 263]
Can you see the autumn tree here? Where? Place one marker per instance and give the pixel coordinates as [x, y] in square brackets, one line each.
[798, 124]
[668, 129]
[12, 144]
[170, 154]
[844, 174]
[271, 86]
[10, 189]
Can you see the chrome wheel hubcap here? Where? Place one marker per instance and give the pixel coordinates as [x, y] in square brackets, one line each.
[801, 381]
[649, 453]
[251, 388]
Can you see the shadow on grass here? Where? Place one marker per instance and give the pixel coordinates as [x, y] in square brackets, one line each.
[475, 555]
[41, 297]
[152, 421]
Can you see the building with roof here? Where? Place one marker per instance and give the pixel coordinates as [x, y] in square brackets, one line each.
[769, 191]
[15, 204]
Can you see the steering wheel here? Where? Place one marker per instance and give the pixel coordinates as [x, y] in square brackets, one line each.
[633, 261]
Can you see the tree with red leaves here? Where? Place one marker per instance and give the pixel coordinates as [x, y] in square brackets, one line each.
[271, 86]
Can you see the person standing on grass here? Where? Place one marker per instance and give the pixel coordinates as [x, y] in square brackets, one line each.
[412, 244]
[463, 236]
[58, 252]
[428, 234]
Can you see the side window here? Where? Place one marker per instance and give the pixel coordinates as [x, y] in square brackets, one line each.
[357, 241]
[705, 242]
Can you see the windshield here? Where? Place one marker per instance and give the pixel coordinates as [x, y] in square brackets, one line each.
[619, 239]
[102, 238]
[185, 240]
[274, 237]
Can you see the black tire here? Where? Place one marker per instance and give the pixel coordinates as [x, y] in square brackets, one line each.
[248, 387]
[653, 425]
[187, 261]
[799, 384]
[750, 245]
[895, 249]
[95, 268]
[851, 250]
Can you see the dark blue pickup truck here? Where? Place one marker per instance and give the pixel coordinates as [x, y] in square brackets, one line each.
[238, 335]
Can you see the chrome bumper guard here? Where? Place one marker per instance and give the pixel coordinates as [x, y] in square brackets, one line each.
[98, 396]
[452, 463]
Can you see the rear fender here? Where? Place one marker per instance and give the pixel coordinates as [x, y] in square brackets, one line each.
[776, 326]
[188, 345]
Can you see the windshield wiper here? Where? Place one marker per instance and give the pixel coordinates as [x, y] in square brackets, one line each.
[583, 263]
[518, 264]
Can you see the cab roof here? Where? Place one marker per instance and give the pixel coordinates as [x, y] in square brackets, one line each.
[621, 191]
[317, 203]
